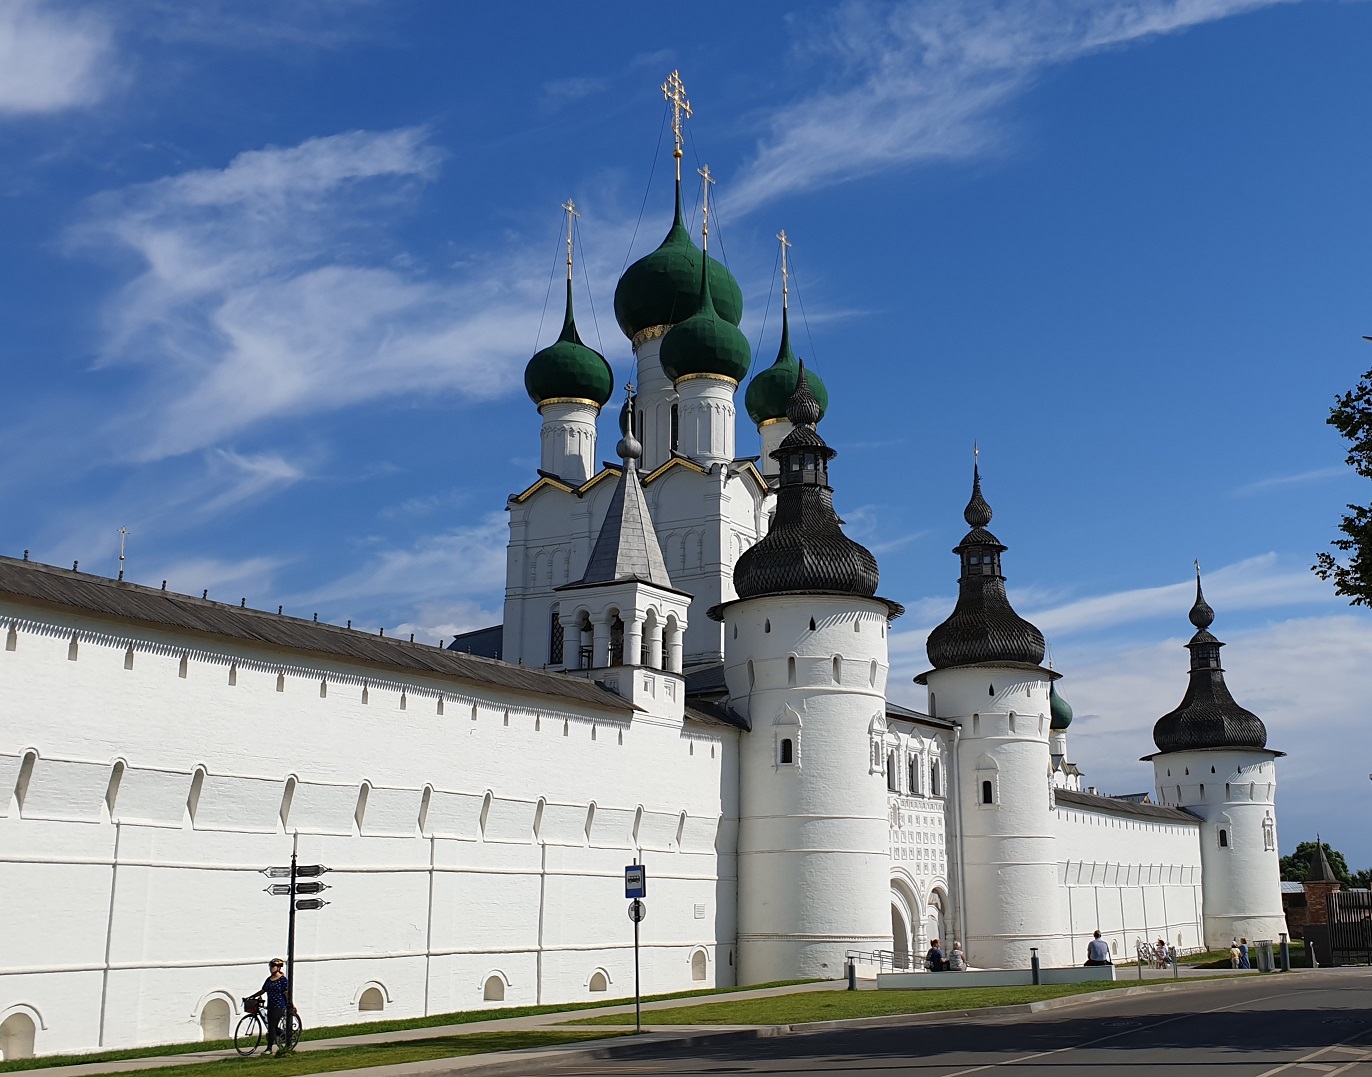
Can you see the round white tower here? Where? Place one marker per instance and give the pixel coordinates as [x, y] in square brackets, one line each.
[806, 661]
[1213, 760]
[987, 677]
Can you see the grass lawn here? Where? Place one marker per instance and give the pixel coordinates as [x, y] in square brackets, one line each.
[380, 1054]
[461, 1017]
[840, 1005]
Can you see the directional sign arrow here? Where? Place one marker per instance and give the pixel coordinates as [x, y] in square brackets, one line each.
[306, 904]
[303, 871]
[284, 889]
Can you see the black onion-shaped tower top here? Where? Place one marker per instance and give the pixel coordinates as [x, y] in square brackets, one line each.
[1207, 717]
[805, 551]
[982, 627]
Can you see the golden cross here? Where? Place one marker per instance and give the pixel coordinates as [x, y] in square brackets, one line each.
[123, 534]
[784, 244]
[629, 389]
[570, 207]
[675, 92]
[706, 180]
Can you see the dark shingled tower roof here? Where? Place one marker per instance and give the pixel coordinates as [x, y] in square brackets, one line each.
[1321, 871]
[1208, 717]
[982, 627]
[805, 551]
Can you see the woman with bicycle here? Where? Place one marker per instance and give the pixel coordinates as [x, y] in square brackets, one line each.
[276, 988]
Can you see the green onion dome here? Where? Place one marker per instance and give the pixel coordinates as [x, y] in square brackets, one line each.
[1059, 708]
[662, 288]
[567, 369]
[706, 343]
[769, 392]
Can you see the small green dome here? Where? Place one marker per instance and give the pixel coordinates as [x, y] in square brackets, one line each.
[662, 288]
[1060, 709]
[567, 368]
[706, 343]
[769, 392]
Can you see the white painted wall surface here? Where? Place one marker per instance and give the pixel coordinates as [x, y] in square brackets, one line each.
[1233, 790]
[121, 923]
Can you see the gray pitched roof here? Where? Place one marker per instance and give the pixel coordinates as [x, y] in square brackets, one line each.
[29, 581]
[627, 546]
[1116, 806]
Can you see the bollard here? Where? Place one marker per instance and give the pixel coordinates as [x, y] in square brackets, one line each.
[852, 974]
[1176, 965]
[1034, 962]
[1285, 953]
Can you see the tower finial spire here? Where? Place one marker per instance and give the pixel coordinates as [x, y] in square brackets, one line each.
[675, 92]
[570, 207]
[785, 277]
[1202, 616]
[705, 180]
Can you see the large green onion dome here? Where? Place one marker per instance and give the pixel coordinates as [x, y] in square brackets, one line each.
[706, 343]
[567, 369]
[661, 288]
[769, 392]
[1060, 709]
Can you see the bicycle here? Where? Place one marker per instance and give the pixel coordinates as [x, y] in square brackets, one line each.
[252, 1029]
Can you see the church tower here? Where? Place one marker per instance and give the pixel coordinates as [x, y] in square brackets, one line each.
[988, 677]
[770, 391]
[805, 656]
[1213, 761]
[570, 383]
[624, 612]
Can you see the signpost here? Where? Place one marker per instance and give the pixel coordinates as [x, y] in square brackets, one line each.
[636, 888]
[295, 872]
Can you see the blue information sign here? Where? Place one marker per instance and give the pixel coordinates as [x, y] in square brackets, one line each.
[635, 881]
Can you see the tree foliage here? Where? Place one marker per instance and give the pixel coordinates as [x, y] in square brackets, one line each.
[1352, 417]
[1296, 867]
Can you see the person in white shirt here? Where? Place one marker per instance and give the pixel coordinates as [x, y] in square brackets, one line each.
[1098, 951]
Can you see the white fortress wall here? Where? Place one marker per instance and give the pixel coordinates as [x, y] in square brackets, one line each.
[1133, 878]
[139, 804]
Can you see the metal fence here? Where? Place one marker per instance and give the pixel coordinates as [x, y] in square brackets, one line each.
[1350, 926]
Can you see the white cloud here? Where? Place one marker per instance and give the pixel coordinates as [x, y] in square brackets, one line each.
[251, 301]
[222, 579]
[51, 57]
[561, 92]
[1304, 478]
[922, 81]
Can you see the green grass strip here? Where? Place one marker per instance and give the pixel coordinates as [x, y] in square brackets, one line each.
[367, 1028]
[381, 1054]
[845, 1005]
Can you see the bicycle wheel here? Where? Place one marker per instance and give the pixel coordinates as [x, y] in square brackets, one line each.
[247, 1036]
[288, 1034]
[297, 1030]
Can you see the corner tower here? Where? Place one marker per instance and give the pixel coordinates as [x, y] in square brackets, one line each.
[988, 677]
[805, 657]
[1213, 761]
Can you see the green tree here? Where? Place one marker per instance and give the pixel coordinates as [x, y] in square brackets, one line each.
[1363, 879]
[1296, 867]
[1352, 417]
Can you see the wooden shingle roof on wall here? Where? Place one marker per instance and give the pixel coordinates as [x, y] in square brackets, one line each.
[29, 581]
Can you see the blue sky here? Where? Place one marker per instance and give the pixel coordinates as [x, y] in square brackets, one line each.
[271, 273]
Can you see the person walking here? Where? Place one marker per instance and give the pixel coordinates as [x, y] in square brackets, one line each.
[1098, 951]
[1234, 954]
[276, 988]
[1243, 954]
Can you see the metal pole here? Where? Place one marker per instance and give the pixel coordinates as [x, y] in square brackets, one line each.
[638, 998]
[290, 962]
[852, 974]
[1285, 953]
[1034, 963]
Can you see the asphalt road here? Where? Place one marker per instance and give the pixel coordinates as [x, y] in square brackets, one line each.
[1297, 1024]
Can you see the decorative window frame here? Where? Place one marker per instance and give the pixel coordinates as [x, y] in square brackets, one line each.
[786, 726]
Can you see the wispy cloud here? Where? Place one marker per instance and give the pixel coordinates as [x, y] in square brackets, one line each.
[562, 92]
[1277, 482]
[252, 300]
[52, 58]
[923, 81]
[249, 476]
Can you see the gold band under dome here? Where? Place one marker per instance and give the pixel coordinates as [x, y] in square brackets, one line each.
[644, 335]
[568, 400]
[769, 422]
[713, 377]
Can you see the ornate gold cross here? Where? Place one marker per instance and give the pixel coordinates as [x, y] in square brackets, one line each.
[675, 92]
[706, 180]
[784, 244]
[570, 208]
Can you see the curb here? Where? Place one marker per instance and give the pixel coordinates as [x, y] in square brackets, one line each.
[521, 1063]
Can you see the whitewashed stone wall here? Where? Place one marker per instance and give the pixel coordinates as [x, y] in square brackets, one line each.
[145, 780]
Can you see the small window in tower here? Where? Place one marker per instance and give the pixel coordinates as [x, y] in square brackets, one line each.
[767, 625]
[987, 793]
[812, 624]
[933, 778]
[1224, 839]
[787, 754]
[892, 778]
[791, 670]
[676, 431]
